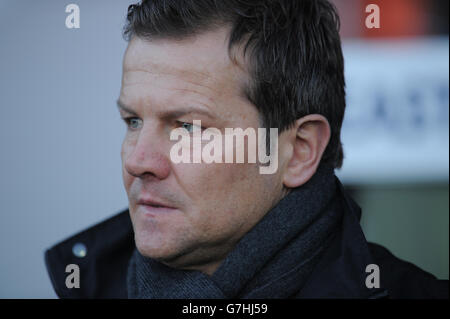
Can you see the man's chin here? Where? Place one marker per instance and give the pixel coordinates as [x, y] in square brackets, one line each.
[158, 251]
[171, 256]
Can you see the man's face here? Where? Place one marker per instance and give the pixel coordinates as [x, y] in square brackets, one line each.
[209, 207]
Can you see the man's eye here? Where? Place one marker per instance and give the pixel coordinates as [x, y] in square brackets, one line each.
[133, 122]
[190, 127]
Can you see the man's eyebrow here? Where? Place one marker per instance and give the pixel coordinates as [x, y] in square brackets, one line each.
[171, 114]
[125, 108]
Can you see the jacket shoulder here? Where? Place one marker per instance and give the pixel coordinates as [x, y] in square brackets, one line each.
[405, 280]
[105, 250]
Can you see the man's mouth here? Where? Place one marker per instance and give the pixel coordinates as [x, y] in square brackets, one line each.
[151, 207]
[153, 202]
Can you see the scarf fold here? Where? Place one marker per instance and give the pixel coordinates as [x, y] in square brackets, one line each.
[273, 260]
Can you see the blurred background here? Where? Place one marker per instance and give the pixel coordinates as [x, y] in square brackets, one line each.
[60, 131]
[396, 127]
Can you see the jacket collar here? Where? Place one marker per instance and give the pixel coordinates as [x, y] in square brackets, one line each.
[102, 270]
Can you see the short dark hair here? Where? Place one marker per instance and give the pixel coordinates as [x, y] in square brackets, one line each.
[295, 62]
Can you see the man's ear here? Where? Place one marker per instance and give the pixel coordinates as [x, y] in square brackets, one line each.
[309, 140]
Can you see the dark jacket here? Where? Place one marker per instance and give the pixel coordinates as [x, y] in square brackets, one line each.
[110, 244]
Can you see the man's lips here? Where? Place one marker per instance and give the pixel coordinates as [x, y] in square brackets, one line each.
[153, 202]
[152, 206]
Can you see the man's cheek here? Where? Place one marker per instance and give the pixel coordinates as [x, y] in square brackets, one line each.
[127, 180]
[217, 222]
[198, 180]
[126, 177]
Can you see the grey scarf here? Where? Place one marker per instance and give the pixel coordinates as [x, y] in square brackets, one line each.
[273, 260]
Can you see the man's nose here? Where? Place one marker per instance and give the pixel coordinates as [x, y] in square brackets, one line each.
[147, 157]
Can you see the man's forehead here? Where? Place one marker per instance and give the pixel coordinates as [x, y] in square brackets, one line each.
[201, 57]
[164, 68]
